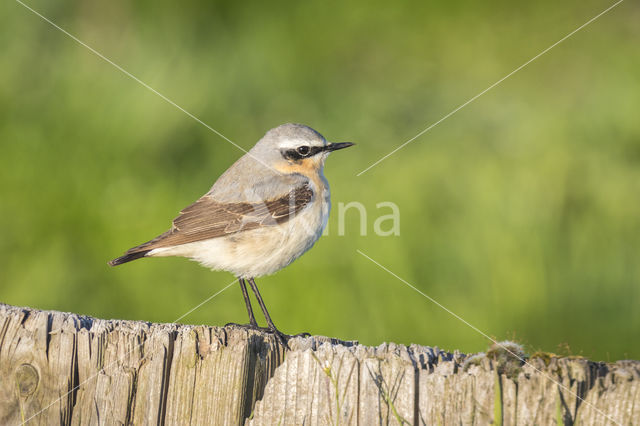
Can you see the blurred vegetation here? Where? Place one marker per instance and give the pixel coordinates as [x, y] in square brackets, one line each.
[520, 213]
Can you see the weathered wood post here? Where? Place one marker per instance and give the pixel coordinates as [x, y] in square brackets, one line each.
[64, 368]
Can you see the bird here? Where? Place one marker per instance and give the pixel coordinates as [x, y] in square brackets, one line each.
[261, 214]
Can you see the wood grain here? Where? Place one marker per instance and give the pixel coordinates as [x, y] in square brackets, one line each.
[60, 368]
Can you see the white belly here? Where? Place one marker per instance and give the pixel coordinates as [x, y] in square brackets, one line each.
[260, 251]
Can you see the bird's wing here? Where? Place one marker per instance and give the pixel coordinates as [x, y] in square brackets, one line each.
[208, 218]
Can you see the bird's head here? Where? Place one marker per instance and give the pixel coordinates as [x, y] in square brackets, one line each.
[295, 148]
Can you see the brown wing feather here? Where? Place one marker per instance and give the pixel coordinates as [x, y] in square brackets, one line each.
[208, 218]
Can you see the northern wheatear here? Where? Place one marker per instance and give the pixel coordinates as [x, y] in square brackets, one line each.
[264, 212]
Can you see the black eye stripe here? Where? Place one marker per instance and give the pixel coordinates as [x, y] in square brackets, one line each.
[291, 154]
[294, 154]
[315, 150]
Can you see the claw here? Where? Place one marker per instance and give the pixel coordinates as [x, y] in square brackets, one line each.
[280, 337]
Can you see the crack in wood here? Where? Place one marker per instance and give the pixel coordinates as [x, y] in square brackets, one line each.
[132, 372]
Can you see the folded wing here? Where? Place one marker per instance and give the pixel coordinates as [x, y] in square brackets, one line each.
[208, 218]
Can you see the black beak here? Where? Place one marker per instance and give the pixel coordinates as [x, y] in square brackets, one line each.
[337, 145]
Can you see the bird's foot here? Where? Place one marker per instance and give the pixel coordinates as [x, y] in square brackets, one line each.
[280, 336]
[256, 327]
[249, 326]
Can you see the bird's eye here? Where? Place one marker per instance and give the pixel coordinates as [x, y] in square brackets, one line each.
[303, 150]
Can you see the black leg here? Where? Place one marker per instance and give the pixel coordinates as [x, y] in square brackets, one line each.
[247, 301]
[254, 287]
[279, 335]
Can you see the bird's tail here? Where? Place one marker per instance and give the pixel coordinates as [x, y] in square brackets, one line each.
[139, 251]
[128, 257]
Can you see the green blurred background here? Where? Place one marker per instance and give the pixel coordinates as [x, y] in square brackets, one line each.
[520, 213]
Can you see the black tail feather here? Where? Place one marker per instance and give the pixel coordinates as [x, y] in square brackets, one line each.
[128, 257]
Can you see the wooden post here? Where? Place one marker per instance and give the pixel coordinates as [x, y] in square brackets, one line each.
[65, 368]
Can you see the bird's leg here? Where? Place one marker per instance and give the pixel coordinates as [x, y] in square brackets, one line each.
[282, 338]
[245, 294]
[252, 319]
